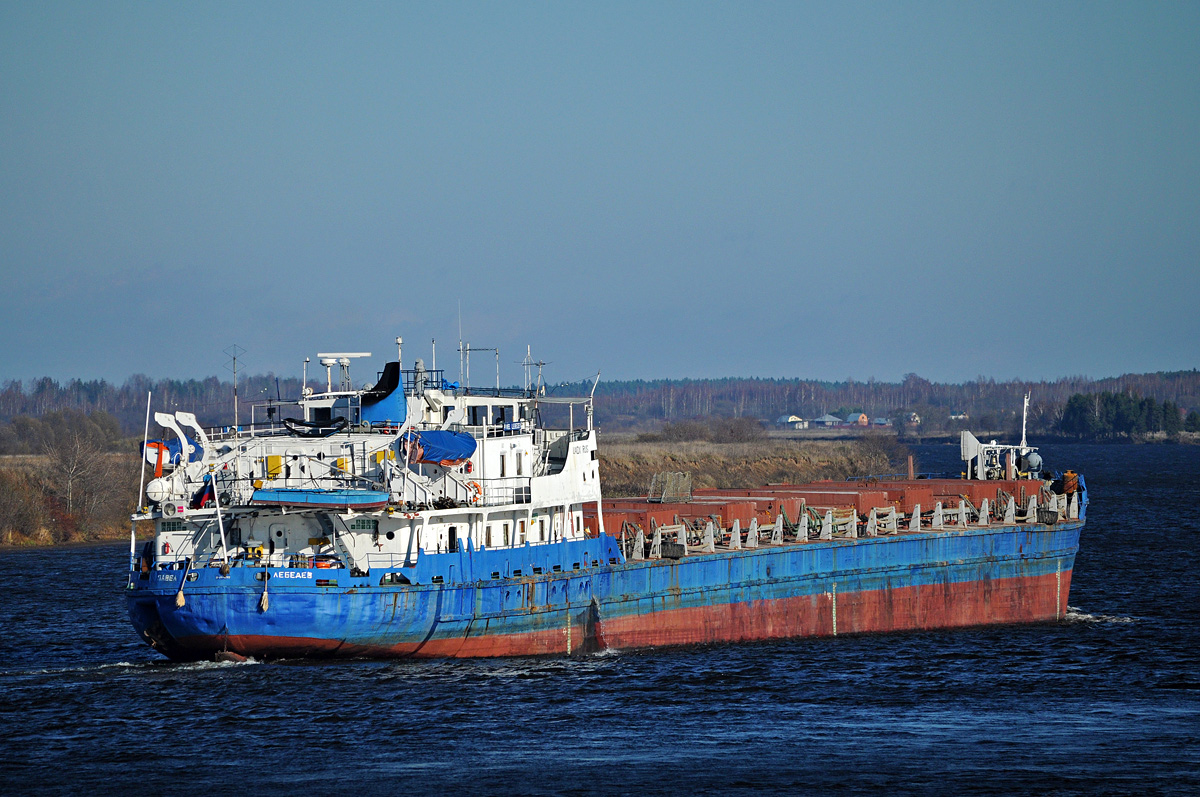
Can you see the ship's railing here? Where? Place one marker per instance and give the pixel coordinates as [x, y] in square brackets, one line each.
[486, 492]
[239, 557]
[222, 434]
[503, 392]
[361, 467]
[505, 429]
[425, 379]
[507, 491]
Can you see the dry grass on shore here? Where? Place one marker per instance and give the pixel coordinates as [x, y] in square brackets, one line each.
[626, 467]
[73, 495]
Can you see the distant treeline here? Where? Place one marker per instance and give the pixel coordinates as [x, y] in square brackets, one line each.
[210, 399]
[646, 405]
[1110, 416]
[26, 434]
[987, 403]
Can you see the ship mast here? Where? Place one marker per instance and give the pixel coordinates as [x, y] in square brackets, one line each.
[234, 352]
[1024, 418]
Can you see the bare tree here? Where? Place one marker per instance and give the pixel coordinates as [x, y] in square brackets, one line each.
[82, 475]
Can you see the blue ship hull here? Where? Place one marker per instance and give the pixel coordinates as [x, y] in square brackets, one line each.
[581, 595]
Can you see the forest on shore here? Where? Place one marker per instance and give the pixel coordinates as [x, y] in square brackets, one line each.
[1115, 416]
[644, 405]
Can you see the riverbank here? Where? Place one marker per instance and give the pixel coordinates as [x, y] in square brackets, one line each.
[626, 467]
[109, 542]
[72, 495]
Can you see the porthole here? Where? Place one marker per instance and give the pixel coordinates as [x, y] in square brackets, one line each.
[391, 535]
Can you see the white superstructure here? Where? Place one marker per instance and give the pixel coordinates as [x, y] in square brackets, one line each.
[371, 478]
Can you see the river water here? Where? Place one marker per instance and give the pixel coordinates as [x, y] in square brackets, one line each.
[1105, 701]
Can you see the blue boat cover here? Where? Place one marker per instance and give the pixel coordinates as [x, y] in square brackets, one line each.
[171, 451]
[289, 496]
[439, 448]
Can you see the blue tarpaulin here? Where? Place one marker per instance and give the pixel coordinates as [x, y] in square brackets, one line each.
[439, 448]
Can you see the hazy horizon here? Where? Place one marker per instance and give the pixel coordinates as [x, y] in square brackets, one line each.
[653, 190]
[485, 379]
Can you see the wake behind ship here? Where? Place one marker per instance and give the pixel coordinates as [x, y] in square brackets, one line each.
[421, 518]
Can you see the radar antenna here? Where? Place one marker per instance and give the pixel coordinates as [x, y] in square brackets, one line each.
[340, 358]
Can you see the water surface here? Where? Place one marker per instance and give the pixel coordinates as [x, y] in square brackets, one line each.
[1105, 701]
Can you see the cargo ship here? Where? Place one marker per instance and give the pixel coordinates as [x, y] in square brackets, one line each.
[421, 518]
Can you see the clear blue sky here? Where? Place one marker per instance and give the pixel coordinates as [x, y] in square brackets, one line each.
[651, 189]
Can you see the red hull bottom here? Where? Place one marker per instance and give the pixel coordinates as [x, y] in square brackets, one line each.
[953, 605]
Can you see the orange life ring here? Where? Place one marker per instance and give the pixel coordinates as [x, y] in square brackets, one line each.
[476, 492]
